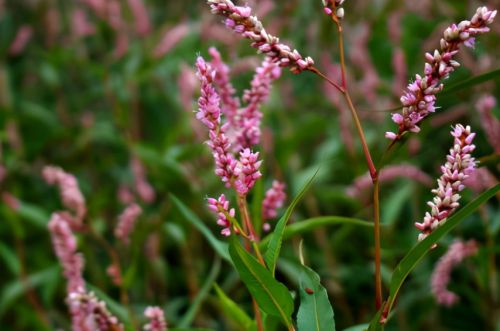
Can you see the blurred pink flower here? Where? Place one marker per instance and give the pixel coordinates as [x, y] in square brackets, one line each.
[156, 319]
[360, 57]
[114, 273]
[80, 24]
[400, 70]
[334, 70]
[126, 222]
[171, 38]
[441, 275]
[125, 196]
[69, 191]
[97, 6]
[273, 200]
[143, 188]
[52, 22]
[249, 117]
[187, 84]
[23, 36]
[480, 180]
[490, 124]
[142, 23]
[64, 243]
[11, 201]
[388, 174]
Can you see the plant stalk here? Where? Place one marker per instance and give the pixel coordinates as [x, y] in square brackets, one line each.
[374, 174]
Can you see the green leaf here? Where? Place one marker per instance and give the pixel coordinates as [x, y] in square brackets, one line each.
[10, 259]
[188, 329]
[359, 327]
[315, 311]
[33, 214]
[416, 254]
[15, 289]
[313, 223]
[468, 83]
[233, 311]
[219, 246]
[274, 247]
[271, 296]
[202, 294]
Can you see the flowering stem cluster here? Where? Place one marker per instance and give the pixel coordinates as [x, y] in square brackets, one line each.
[239, 19]
[418, 102]
[459, 166]
[420, 97]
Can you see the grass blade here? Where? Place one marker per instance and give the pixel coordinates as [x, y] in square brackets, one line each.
[276, 238]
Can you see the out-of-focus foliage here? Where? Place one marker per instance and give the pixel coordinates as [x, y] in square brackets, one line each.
[91, 93]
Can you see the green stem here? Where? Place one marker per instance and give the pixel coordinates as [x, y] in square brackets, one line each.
[374, 174]
[247, 224]
[376, 234]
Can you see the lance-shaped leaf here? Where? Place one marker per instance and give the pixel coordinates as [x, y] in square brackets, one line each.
[417, 253]
[274, 247]
[271, 296]
[315, 311]
[233, 311]
[219, 246]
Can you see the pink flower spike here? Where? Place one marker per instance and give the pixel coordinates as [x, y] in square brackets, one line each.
[126, 222]
[230, 103]
[64, 243]
[69, 191]
[156, 319]
[273, 200]
[441, 275]
[89, 313]
[249, 117]
[248, 171]
[239, 19]
[420, 96]
[220, 207]
[209, 114]
[459, 166]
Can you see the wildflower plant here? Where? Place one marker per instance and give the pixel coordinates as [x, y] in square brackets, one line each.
[241, 172]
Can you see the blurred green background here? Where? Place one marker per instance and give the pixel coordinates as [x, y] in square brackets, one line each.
[91, 90]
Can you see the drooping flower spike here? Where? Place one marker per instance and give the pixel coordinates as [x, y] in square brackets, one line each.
[459, 166]
[126, 222]
[239, 19]
[420, 96]
[69, 191]
[441, 275]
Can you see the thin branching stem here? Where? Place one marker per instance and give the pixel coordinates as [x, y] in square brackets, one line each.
[374, 174]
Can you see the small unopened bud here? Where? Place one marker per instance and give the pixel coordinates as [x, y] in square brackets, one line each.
[340, 12]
